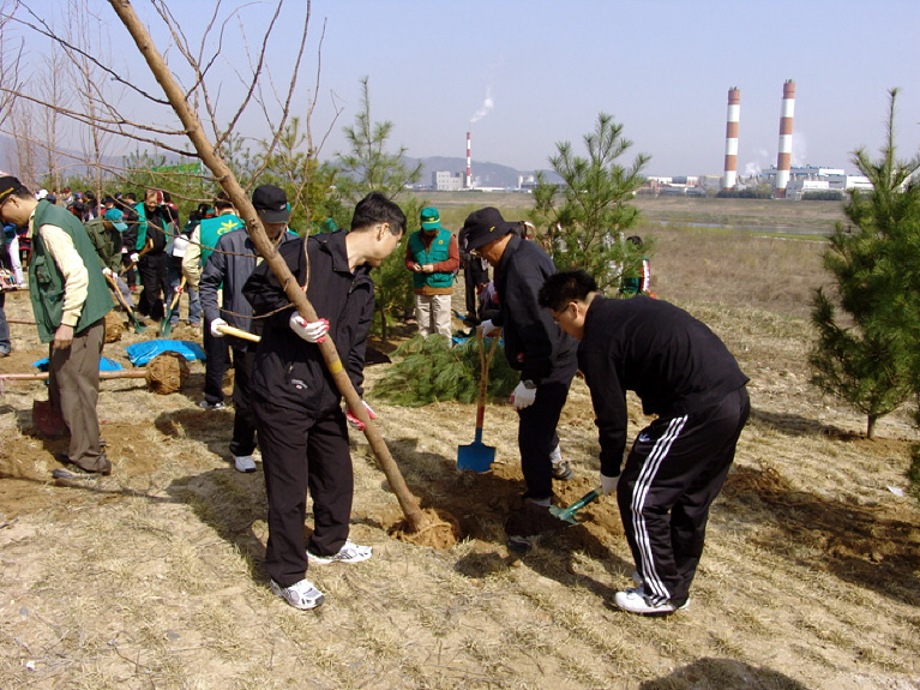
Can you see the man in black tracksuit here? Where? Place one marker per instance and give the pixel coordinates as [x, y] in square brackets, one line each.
[534, 345]
[684, 374]
[302, 429]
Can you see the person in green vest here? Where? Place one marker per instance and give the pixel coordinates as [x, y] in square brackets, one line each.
[70, 299]
[200, 247]
[433, 256]
[152, 237]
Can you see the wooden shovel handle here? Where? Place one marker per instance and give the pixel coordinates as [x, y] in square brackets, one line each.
[239, 333]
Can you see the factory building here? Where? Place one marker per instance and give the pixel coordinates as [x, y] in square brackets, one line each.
[446, 181]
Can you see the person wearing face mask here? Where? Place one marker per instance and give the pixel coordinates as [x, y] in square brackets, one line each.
[433, 257]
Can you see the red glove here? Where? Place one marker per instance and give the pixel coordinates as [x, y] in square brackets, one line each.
[354, 421]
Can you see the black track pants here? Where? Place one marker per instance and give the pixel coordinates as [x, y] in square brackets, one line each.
[675, 470]
[298, 452]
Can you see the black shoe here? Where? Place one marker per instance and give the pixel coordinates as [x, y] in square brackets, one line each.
[103, 466]
[561, 471]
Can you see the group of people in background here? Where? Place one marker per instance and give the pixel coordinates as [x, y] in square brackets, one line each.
[286, 401]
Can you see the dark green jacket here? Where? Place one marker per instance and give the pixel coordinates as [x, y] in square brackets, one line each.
[46, 283]
[107, 241]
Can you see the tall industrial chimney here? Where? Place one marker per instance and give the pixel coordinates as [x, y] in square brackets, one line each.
[731, 138]
[469, 160]
[784, 158]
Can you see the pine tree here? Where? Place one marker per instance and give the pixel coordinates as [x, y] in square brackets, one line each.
[868, 356]
[429, 370]
[584, 219]
[368, 167]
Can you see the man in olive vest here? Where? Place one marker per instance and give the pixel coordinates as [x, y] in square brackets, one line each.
[70, 299]
[433, 256]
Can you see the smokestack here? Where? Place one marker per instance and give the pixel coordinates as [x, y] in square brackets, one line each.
[469, 159]
[731, 138]
[784, 158]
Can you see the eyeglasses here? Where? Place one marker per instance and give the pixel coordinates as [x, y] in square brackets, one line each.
[475, 253]
[557, 315]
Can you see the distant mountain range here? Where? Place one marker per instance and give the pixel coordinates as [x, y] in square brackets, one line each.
[484, 174]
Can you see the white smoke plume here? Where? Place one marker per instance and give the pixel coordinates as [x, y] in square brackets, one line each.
[799, 150]
[484, 109]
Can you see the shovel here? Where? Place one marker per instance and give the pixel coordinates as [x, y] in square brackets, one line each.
[540, 526]
[477, 456]
[132, 317]
[567, 514]
[147, 247]
[165, 325]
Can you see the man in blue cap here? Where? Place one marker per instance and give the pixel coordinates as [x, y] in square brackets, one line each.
[433, 256]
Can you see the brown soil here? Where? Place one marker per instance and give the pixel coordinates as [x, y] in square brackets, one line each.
[152, 577]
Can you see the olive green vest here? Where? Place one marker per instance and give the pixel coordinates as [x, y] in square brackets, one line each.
[46, 283]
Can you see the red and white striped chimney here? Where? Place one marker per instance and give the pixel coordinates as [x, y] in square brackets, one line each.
[469, 160]
[784, 158]
[731, 138]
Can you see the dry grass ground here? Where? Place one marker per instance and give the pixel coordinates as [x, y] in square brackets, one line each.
[151, 578]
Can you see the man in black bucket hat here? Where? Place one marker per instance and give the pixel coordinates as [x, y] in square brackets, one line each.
[534, 345]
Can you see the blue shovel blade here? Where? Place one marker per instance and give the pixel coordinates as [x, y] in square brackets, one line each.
[476, 457]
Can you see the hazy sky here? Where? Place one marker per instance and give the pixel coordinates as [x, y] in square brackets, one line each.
[533, 73]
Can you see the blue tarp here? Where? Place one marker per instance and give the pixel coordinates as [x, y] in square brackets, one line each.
[105, 364]
[141, 353]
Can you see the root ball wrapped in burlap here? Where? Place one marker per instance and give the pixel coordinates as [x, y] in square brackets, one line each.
[114, 327]
[166, 373]
[440, 530]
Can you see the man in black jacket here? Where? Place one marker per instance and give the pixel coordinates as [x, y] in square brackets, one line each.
[684, 374]
[302, 430]
[221, 289]
[534, 345]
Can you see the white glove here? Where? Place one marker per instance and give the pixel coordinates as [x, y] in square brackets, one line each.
[488, 328]
[609, 484]
[134, 257]
[523, 397]
[216, 325]
[313, 331]
[106, 271]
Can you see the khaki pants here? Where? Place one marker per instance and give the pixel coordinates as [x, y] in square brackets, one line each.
[433, 314]
[73, 388]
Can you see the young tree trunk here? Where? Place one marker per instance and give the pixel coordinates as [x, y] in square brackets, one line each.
[227, 180]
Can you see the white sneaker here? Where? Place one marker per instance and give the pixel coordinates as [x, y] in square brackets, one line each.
[349, 553]
[301, 595]
[244, 463]
[635, 600]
